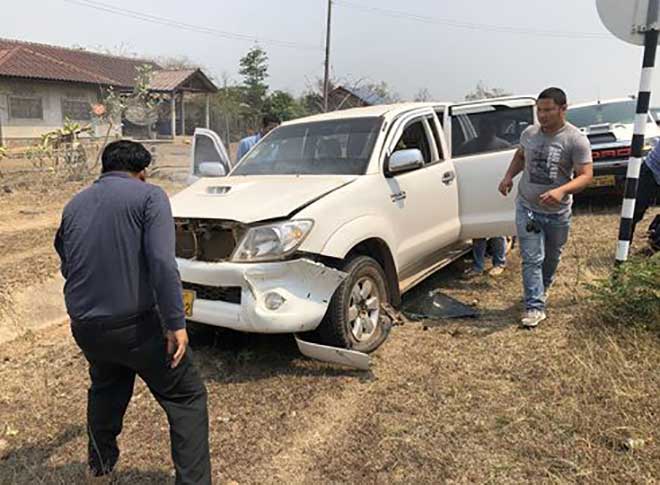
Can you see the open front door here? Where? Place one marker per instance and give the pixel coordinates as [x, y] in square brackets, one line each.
[484, 136]
[209, 157]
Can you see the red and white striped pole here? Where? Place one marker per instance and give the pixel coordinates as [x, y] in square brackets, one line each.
[641, 120]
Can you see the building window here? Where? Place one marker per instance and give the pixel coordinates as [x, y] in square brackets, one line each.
[75, 109]
[26, 108]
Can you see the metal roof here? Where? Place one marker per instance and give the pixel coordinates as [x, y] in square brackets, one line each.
[30, 60]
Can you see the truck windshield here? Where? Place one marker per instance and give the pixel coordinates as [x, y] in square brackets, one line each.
[619, 112]
[337, 147]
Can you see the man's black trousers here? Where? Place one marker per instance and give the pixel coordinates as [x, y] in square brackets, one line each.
[116, 352]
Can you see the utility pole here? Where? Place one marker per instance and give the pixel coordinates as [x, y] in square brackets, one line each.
[326, 77]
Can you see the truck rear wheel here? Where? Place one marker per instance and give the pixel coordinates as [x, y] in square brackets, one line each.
[355, 319]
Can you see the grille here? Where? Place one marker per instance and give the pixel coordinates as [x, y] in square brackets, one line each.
[229, 294]
[606, 154]
[210, 241]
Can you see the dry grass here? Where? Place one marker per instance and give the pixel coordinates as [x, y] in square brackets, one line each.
[474, 401]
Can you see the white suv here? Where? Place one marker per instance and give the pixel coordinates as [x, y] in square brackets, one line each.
[331, 216]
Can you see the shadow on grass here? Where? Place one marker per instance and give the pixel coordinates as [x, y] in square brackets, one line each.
[30, 464]
[226, 357]
[605, 202]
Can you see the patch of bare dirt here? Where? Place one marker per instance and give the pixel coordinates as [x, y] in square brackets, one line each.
[466, 401]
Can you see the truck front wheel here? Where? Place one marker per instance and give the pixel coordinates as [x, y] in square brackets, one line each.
[354, 319]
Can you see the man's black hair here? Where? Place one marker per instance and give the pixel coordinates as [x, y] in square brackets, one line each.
[125, 156]
[268, 119]
[556, 94]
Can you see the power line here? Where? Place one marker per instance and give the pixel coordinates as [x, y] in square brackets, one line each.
[145, 17]
[472, 26]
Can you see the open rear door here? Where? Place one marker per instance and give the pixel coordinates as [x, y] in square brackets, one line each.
[484, 136]
[209, 157]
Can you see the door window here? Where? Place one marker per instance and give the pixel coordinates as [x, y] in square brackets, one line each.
[436, 137]
[497, 128]
[415, 136]
[206, 151]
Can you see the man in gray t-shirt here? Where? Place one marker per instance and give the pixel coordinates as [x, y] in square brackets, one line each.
[555, 161]
[550, 161]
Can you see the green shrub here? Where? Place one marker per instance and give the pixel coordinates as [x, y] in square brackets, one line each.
[631, 295]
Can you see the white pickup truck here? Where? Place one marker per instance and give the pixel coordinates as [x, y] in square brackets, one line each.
[609, 126]
[331, 216]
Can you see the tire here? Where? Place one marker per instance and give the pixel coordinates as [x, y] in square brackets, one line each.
[368, 330]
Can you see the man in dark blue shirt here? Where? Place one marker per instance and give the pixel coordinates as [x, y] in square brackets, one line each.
[268, 124]
[116, 243]
[648, 188]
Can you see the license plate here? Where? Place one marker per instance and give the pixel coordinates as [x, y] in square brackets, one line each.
[188, 300]
[603, 181]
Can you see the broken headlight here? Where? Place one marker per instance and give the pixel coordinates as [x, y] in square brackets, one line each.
[273, 241]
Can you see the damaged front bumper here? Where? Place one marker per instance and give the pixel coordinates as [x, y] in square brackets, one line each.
[278, 297]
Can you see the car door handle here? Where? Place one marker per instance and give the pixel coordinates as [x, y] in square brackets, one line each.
[448, 177]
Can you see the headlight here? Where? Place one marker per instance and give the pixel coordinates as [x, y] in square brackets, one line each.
[273, 241]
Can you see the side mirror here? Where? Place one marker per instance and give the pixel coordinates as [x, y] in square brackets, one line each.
[405, 160]
[211, 169]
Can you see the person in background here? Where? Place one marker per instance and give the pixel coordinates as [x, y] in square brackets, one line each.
[648, 189]
[268, 123]
[486, 140]
[555, 160]
[123, 295]
[498, 254]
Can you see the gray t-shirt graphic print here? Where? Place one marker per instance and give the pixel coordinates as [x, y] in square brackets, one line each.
[550, 161]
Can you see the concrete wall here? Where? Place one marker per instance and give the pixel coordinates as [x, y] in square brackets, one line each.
[19, 131]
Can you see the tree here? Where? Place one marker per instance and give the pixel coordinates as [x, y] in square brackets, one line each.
[423, 95]
[139, 107]
[482, 91]
[382, 90]
[229, 115]
[122, 49]
[178, 63]
[311, 103]
[284, 106]
[312, 99]
[254, 69]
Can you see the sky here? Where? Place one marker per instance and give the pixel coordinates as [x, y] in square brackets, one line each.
[520, 46]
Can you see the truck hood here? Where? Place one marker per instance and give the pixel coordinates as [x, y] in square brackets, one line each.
[617, 133]
[253, 198]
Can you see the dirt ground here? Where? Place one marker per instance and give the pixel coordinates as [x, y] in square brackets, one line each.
[463, 401]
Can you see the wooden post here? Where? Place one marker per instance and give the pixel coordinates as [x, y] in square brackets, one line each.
[173, 113]
[183, 115]
[208, 111]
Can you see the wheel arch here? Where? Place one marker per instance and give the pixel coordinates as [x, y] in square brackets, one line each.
[378, 249]
[369, 235]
